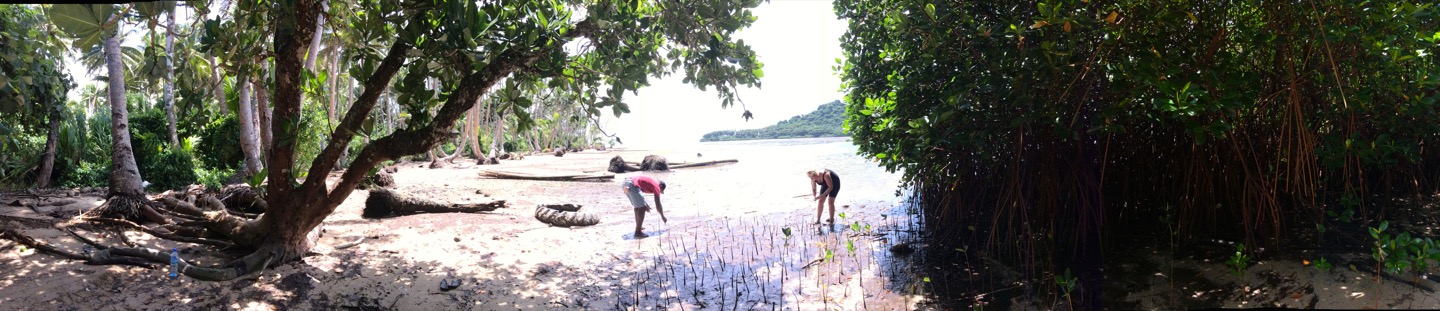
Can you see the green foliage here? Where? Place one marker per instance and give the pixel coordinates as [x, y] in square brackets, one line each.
[170, 168]
[1403, 252]
[1322, 264]
[825, 121]
[1228, 108]
[87, 174]
[1239, 261]
[1066, 282]
[219, 147]
[18, 154]
[311, 132]
[213, 178]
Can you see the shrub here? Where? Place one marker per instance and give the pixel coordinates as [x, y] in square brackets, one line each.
[87, 174]
[218, 147]
[172, 168]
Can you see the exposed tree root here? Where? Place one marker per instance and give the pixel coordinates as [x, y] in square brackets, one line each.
[654, 163]
[156, 233]
[244, 199]
[38, 245]
[386, 203]
[350, 244]
[618, 165]
[132, 207]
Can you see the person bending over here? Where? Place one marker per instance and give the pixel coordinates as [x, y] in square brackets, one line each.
[829, 186]
[633, 187]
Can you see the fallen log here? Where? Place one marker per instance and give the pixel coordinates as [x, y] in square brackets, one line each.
[546, 175]
[564, 215]
[386, 203]
[706, 163]
[690, 164]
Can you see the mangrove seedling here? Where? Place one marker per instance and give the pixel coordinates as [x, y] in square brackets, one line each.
[1239, 261]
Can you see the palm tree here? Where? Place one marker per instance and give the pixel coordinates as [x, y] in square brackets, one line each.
[99, 24]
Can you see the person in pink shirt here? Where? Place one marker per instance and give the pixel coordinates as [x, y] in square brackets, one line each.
[634, 185]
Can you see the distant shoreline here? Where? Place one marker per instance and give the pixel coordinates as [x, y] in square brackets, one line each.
[703, 140]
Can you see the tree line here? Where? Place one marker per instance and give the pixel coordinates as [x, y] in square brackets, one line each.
[282, 93]
[825, 121]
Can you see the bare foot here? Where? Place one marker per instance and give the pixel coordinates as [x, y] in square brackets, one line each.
[831, 221]
[640, 235]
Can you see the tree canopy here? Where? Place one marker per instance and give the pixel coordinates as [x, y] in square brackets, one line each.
[825, 121]
[1048, 118]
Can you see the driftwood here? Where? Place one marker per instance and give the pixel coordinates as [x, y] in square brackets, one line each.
[653, 162]
[547, 175]
[386, 203]
[706, 163]
[564, 215]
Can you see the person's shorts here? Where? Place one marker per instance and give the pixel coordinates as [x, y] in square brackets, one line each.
[633, 192]
[837, 185]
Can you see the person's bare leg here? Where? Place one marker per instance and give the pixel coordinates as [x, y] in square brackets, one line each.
[639, 221]
[832, 210]
[819, 210]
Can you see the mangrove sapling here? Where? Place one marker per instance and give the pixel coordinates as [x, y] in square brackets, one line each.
[1239, 261]
[1322, 264]
[1066, 283]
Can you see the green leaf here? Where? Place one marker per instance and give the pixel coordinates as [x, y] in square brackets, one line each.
[930, 10]
[81, 21]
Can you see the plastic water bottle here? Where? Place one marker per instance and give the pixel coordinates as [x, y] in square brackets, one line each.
[174, 263]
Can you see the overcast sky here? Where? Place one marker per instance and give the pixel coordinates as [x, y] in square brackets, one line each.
[797, 40]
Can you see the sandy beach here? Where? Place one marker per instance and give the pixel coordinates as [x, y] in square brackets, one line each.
[712, 254]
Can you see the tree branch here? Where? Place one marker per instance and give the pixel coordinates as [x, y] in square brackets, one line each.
[359, 111]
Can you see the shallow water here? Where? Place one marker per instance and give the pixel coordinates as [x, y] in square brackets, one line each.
[726, 244]
[770, 177]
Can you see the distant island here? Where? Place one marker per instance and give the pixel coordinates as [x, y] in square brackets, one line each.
[825, 121]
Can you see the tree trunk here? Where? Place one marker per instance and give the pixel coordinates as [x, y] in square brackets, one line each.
[289, 228]
[386, 203]
[219, 83]
[262, 113]
[169, 88]
[124, 174]
[47, 160]
[249, 144]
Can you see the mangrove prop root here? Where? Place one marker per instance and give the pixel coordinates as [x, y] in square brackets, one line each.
[385, 203]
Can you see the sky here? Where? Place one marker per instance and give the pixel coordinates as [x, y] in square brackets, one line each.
[797, 40]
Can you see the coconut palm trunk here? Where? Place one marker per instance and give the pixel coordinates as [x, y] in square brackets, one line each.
[124, 173]
[169, 88]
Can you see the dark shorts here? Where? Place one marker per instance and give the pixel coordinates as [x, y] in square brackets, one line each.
[837, 184]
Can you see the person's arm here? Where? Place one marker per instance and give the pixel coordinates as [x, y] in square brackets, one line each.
[812, 187]
[660, 208]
